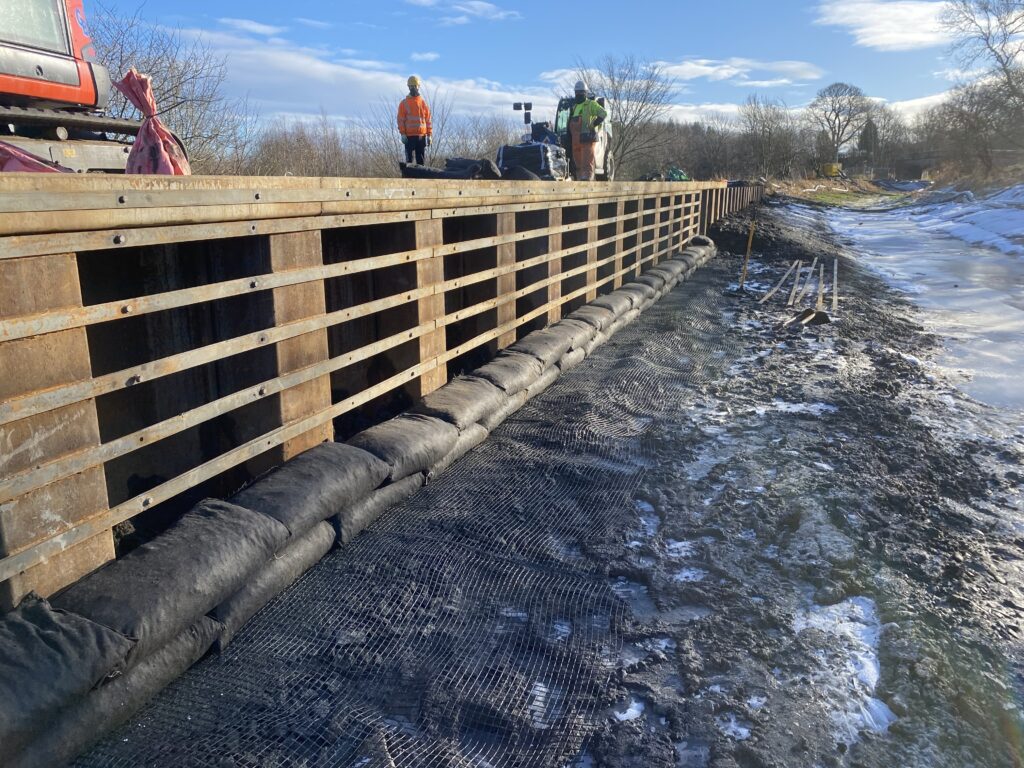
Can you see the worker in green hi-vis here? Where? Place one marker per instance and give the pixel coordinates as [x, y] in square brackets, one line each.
[587, 117]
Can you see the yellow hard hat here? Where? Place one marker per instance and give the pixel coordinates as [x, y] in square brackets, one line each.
[414, 82]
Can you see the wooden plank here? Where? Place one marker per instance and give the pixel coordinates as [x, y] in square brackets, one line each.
[593, 216]
[430, 307]
[506, 283]
[554, 312]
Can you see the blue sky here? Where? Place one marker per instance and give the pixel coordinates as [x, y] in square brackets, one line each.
[304, 56]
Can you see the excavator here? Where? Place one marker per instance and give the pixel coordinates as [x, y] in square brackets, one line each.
[52, 91]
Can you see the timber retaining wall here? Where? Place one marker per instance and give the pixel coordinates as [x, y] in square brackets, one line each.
[167, 339]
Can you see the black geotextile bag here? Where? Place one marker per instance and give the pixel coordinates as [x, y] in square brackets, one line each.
[511, 371]
[49, 659]
[462, 401]
[546, 380]
[616, 302]
[580, 332]
[516, 401]
[282, 569]
[469, 439]
[548, 161]
[409, 443]
[103, 709]
[599, 317]
[547, 345]
[155, 592]
[351, 521]
[484, 168]
[655, 281]
[314, 485]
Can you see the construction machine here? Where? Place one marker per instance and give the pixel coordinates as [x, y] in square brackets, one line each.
[605, 162]
[52, 91]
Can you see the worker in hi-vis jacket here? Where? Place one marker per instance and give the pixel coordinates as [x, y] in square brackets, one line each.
[414, 123]
[587, 117]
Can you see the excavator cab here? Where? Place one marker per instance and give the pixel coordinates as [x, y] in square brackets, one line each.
[605, 163]
[52, 92]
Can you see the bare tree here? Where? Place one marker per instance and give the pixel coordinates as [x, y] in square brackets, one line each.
[840, 110]
[770, 135]
[991, 33]
[188, 84]
[639, 94]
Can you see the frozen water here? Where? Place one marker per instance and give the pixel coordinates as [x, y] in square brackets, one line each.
[690, 575]
[733, 728]
[680, 549]
[630, 710]
[849, 665]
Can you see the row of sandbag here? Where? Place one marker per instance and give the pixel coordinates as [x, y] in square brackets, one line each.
[74, 667]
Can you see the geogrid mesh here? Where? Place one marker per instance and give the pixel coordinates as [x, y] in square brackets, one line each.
[474, 625]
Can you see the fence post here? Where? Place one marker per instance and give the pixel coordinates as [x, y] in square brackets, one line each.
[430, 308]
[27, 286]
[555, 266]
[300, 250]
[620, 241]
[506, 284]
[592, 218]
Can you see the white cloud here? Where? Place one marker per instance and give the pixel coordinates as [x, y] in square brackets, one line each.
[482, 10]
[957, 75]
[293, 79]
[422, 3]
[896, 25]
[692, 113]
[776, 83]
[451, 21]
[739, 70]
[314, 23]
[425, 56]
[252, 27]
[911, 108]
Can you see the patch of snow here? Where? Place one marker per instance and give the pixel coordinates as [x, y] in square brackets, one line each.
[815, 409]
[690, 575]
[849, 665]
[630, 711]
[680, 549]
[733, 728]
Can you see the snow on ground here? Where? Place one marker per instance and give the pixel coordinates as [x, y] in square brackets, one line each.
[996, 221]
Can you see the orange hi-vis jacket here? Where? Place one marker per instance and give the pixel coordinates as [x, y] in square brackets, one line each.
[414, 117]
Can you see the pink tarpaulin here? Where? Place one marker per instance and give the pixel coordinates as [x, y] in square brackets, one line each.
[155, 149]
[14, 159]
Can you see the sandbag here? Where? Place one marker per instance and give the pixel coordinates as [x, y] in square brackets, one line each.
[110, 705]
[271, 580]
[641, 289]
[409, 443]
[49, 658]
[616, 302]
[654, 281]
[462, 401]
[350, 522]
[511, 371]
[492, 420]
[470, 438]
[571, 359]
[580, 332]
[155, 592]
[599, 317]
[546, 380]
[314, 485]
[599, 338]
[700, 240]
[547, 345]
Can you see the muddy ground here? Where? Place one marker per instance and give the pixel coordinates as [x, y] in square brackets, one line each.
[712, 544]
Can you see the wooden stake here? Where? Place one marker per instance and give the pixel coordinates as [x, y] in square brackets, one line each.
[778, 285]
[835, 285]
[746, 259]
[796, 283]
[820, 305]
[807, 282]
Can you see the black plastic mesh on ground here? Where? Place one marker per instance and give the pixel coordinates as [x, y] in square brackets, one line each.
[474, 625]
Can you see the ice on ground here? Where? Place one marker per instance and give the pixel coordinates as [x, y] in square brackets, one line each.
[680, 549]
[733, 728]
[690, 575]
[561, 630]
[815, 409]
[849, 667]
[630, 710]
[544, 704]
